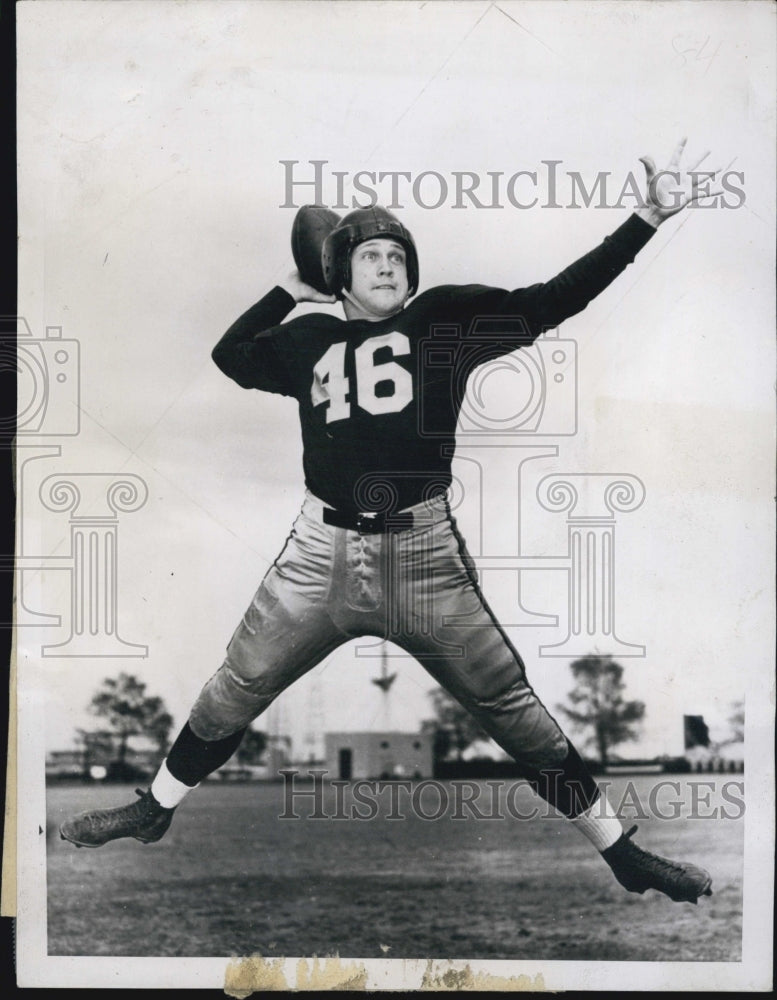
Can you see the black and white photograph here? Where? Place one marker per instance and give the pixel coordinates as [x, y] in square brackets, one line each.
[394, 459]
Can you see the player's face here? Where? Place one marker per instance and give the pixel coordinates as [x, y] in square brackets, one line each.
[378, 280]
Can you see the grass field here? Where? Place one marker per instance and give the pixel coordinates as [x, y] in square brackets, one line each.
[231, 878]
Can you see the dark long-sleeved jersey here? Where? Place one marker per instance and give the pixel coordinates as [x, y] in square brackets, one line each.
[379, 401]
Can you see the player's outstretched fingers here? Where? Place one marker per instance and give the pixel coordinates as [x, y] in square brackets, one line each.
[701, 159]
[650, 167]
[678, 152]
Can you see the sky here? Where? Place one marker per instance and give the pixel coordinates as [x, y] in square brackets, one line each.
[154, 209]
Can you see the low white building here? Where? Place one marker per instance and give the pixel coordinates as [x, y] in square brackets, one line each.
[378, 755]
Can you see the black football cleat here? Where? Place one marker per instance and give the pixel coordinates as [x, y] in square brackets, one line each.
[639, 870]
[145, 820]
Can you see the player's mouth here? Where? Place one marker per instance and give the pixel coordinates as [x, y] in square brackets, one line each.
[390, 287]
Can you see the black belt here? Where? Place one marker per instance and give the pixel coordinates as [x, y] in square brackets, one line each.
[368, 524]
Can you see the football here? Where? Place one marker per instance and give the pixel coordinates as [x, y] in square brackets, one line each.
[312, 224]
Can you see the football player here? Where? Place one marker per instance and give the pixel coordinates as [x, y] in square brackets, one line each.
[375, 549]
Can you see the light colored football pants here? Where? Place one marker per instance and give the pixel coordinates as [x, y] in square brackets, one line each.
[417, 588]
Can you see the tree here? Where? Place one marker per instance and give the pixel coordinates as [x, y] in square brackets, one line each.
[252, 746]
[736, 722]
[123, 703]
[453, 726]
[598, 704]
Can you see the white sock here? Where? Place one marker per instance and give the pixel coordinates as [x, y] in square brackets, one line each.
[599, 824]
[167, 790]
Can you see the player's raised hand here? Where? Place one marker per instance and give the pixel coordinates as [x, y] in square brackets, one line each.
[300, 291]
[669, 190]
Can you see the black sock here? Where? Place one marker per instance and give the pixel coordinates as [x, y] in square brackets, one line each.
[568, 787]
[192, 759]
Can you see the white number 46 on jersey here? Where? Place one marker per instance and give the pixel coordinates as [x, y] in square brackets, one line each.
[331, 386]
